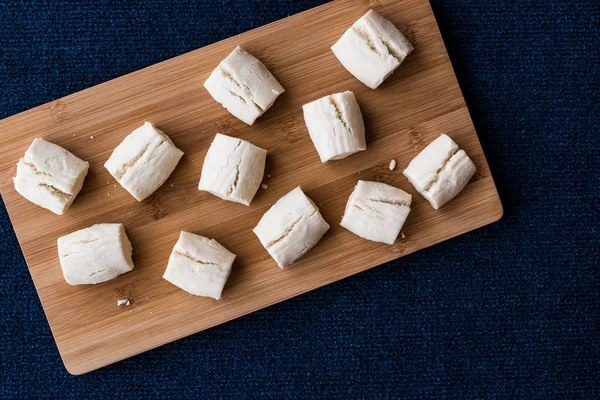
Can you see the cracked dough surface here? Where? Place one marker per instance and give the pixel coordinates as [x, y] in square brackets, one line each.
[335, 125]
[95, 254]
[291, 227]
[143, 161]
[372, 48]
[440, 171]
[199, 265]
[50, 176]
[233, 169]
[376, 211]
[243, 85]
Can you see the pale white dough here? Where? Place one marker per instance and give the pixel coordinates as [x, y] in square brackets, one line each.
[199, 265]
[376, 211]
[233, 169]
[291, 227]
[50, 176]
[440, 171]
[371, 49]
[335, 125]
[143, 161]
[243, 85]
[95, 254]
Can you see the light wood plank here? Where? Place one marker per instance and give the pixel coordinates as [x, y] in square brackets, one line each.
[418, 102]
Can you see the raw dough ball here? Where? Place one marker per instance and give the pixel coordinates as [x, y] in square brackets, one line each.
[199, 265]
[143, 161]
[372, 49]
[376, 211]
[291, 227]
[243, 85]
[95, 254]
[440, 171]
[335, 125]
[50, 176]
[233, 169]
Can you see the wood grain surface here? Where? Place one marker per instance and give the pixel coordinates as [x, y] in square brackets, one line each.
[417, 103]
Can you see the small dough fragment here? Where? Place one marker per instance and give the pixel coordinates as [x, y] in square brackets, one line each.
[335, 125]
[372, 48]
[392, 165]
[143, 161]
[440, 171]
[233, 169]
[376, 211]
[95, 254]
[199, 265]
[123, 302]
[243, 85]
[291, 227]
[50, 176]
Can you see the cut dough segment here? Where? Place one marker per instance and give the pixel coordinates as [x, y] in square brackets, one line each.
[372, 49]
[376, 211]
[199, 265]
[440, 171]
[95, 254]
[243, 85]
[291, 227]
[233, 169]
[143, 161]
[50, 176]
[335, 125]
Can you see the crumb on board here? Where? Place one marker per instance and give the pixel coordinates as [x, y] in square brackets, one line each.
[115, 185]
[92, 137]
[123, 302]
[392, 165]
[107, 183]
[268, 176]
[264, 186]
[108, 194]
[172, 185]
[402, 235]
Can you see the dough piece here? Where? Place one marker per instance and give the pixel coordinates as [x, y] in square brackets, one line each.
[95, 254]
[372, 49]
[291, 227]
[243, 85]
[335, 125]
[199, 265]
[440, 171]
[376, 211]
[50, 176]
[233, 169]
[143, 161]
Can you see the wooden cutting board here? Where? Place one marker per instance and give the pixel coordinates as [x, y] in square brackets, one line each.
[417, 103]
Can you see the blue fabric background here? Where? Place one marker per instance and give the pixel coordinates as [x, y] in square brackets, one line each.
[508, 311]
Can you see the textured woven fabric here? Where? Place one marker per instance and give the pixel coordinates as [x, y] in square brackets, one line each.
[508, 311]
